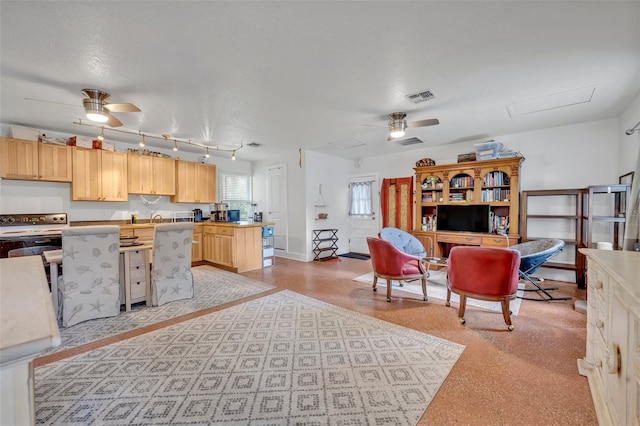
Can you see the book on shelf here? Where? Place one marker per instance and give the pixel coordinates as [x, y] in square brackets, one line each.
[498, 224]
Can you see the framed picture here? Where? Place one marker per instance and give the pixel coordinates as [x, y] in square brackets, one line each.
[628, 180]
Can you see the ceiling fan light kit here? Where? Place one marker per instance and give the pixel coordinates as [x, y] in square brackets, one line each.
[397, 124]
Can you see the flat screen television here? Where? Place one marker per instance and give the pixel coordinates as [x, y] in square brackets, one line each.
[467, 218]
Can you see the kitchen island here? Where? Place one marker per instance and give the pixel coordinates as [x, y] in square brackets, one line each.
[234, 246]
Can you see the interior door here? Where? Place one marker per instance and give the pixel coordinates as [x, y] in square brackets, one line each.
[362, 226]
[277, 204]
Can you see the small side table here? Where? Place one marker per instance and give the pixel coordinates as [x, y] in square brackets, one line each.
[433, 262]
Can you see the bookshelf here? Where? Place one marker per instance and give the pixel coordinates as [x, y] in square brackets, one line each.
[492, 182]
[555, 213]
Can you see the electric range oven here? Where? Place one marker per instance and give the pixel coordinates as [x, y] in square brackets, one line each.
[31, 234]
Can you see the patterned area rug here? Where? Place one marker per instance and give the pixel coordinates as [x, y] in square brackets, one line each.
[283, 359]
[437, 288]
[212, 287]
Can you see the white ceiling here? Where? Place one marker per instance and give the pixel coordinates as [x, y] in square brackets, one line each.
[292, 75]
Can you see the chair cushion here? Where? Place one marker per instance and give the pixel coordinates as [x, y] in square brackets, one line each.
[403, 241]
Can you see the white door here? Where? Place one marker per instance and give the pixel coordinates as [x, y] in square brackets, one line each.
[277, 204]
[365, 225]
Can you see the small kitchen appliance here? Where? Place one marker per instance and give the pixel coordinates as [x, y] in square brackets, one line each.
[219, 212]
[233, 215]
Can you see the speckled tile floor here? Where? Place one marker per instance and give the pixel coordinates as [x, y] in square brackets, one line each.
[525, 377]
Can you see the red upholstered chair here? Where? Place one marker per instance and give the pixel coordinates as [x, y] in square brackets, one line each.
[483, 273]
[391, 263]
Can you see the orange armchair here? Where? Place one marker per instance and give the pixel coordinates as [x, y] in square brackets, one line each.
[391, 263]
[483, 273]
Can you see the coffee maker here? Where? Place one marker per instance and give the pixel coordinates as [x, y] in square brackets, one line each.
[219, 212]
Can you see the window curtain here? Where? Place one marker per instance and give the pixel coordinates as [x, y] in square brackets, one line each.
[361, 198]
[397, 203]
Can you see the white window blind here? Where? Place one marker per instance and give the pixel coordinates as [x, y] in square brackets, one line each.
[235, 191]
[361, 199]
[235, 187]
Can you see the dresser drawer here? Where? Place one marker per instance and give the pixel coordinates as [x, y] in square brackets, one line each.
[460, 239]
[137, 273]
[138, 290]
[496, 241]
[136, 258]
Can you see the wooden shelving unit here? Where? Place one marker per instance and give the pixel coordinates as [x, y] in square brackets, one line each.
[565, 209]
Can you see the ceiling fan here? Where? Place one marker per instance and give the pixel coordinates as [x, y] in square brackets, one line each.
[97, 107]
[398, 124]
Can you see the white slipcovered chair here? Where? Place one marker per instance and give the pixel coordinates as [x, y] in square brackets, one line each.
[89, 286]
[171, 277]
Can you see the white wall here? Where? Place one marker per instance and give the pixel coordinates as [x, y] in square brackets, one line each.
[52, 197]
[333, 174]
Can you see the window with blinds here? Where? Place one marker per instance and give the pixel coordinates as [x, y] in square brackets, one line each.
[235, 191]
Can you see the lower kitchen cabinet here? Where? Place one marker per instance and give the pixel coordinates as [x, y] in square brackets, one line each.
[196, 250]
[235, 248]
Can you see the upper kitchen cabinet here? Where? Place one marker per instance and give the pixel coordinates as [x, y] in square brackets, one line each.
[151, 175]
[195, 183]
[29, 160]
[99, 175]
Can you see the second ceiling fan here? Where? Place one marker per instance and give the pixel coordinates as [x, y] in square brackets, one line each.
[398, 124]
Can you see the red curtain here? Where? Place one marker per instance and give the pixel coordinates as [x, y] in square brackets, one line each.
[396, 198]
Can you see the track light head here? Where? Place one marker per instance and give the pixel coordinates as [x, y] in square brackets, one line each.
[630, 132]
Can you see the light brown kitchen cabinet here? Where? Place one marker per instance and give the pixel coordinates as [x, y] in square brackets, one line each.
[207, 243]
[196, 250]
[29, 160]
[235, 248]
[151, 175]
[195, 183]
[99, 175]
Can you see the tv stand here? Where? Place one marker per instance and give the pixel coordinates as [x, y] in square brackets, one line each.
[491, 182]
[445, 240]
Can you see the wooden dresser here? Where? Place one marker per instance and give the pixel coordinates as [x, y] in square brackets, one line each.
[612, 361]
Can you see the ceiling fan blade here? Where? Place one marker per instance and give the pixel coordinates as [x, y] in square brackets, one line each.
[51, 102]
[423, 123]
[113, 122]
[126, 107]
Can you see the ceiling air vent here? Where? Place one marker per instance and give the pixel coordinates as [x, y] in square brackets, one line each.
[423, 96]
[254, 145]
[409, 141]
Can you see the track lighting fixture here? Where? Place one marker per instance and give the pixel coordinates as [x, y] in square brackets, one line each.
[164, 137]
